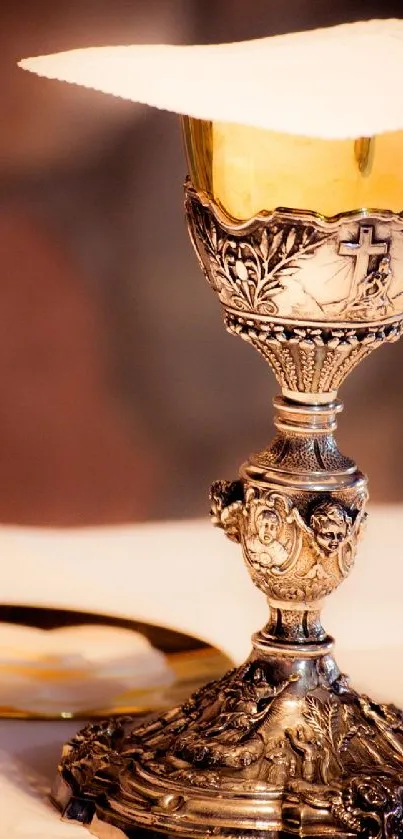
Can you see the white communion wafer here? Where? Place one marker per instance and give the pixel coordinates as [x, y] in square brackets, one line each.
[339, 82]
[76, 667]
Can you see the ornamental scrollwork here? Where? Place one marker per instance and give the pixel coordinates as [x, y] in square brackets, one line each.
[312, 359]
[297, 267]
[227, 506]
[272, 539]
[248, 272]
[289, 556]
[338, 752]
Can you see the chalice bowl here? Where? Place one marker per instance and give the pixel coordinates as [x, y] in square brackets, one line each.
[301, 238]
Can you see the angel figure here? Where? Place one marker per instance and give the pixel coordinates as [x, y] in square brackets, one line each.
[273, 539]
[275, 553]
[331, 525]
[267, 551]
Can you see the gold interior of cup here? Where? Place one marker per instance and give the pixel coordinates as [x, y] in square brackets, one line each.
[246, 170]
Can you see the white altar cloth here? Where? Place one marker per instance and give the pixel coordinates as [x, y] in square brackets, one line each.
[188, 577]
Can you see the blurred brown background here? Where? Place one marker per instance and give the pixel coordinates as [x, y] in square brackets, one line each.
[122, 397]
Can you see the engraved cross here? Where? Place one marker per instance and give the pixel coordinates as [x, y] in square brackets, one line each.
[362, 252]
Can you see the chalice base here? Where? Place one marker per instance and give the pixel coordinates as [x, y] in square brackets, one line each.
[280, 746]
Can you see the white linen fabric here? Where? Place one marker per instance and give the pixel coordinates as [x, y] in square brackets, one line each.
[188, 577]
[339, 82]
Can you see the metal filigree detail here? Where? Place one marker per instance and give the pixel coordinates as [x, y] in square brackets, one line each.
[299, 267]
[250, 744]
[269, 265]
[372, 275]
[313, 297]
[292, 557]
[248, 272]
[365, 741]
[312, 359]
[227, 499]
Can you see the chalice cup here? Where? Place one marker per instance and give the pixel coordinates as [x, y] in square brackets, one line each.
[281, 745]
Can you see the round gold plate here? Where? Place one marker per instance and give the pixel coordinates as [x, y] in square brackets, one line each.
[191, 661]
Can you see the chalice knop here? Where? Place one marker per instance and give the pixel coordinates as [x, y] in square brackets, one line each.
[283, 744]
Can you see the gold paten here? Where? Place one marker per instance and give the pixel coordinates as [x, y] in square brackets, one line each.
[190, 661]
[283, 745]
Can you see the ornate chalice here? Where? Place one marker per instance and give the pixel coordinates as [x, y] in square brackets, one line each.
[310, 275]
[281, 744]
